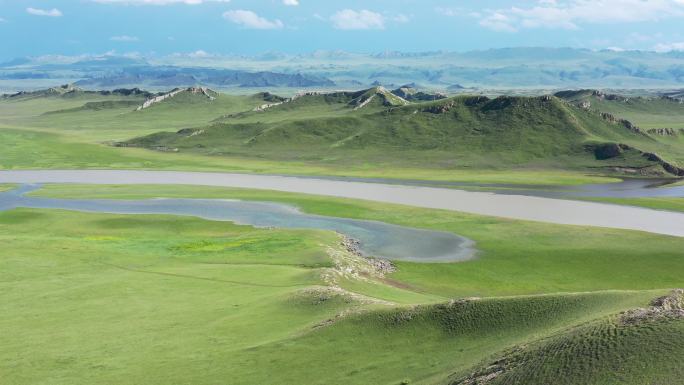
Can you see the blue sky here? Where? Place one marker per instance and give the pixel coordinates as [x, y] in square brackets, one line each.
[162, 27]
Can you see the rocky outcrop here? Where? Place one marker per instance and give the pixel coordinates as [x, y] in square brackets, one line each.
[667, 166]
[190, 132]
[388, 99]
[209, 94]
[609, 150]
[440, 108]
[665, 131]
[411, 94]
[669, 306]
[604, 96]
[610, 118]
[53, 91]
[606, 151]
[379, 265]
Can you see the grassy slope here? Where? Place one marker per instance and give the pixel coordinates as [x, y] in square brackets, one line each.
[24, 149]
[421, 345]
[516, 257]
[146, 300]
[647, 113]
[111, 292]
[603, 352]
[644, 112]
[473, 133]
[118, 120]
[317, 132]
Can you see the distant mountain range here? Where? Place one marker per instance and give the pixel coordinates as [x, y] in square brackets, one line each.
[541, 68]
[178, 77]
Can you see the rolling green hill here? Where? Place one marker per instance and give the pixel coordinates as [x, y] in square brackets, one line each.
[371, 132]
[459, 132]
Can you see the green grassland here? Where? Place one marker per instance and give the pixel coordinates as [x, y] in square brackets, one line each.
[370, 133]
[669, 204]
[515, 257]
[142, 299]
[26, 149]
[606, 351]
[645, 112]
[100, 118]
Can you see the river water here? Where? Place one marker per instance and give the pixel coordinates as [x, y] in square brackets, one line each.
[532, 207]
[376, 239]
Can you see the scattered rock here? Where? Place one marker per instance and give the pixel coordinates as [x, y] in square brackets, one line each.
[485, 375]
[381, 266]
[665, 131]
[189, 132]
[609, 150]
[669, 306]
[610, 118]
[440, 108]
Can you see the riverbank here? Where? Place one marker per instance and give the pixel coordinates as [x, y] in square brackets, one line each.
[539, 209]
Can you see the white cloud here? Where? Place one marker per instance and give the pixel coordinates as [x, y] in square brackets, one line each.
[570, 14]
[158, 2]
[667, 47]
[124, 38]
[291, 2]
[249, 19]
[363, 19]
[401, 18]
[54, 12]
[498, 22]
[449, 11]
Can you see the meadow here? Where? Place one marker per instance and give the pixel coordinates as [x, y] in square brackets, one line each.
[149, 298]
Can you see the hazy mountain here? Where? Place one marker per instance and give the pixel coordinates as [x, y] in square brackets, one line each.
[495, 68]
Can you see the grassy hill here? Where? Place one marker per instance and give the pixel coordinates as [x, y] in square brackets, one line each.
[459, 132]
[635, 347]
[645, 112]
[370, 132]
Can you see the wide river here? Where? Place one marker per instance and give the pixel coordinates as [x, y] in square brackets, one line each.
[533, 208]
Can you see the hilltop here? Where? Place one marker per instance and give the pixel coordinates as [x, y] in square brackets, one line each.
[71, 90]
[465, 131]
[190, 94]
[648, 112]
[581, 131]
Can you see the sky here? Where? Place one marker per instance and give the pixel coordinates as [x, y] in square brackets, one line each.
[164, 27]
